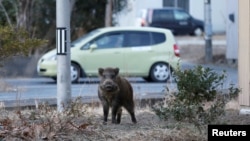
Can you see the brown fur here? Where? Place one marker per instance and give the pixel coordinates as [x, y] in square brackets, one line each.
[116, 92]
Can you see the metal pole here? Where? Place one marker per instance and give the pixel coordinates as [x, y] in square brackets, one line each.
[208, 32]
[63, 54]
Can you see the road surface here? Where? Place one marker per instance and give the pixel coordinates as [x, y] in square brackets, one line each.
[27, 91]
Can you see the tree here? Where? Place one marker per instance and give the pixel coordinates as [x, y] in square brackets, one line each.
[16, 42]
[108, 13]
[39, 17]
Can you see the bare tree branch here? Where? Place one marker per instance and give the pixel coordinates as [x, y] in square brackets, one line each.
[6, 14]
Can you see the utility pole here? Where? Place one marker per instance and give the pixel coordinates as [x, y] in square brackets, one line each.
[208, 32]
[63, 54]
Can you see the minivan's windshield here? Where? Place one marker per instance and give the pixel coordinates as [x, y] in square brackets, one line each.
[181, 15]
[84, 37]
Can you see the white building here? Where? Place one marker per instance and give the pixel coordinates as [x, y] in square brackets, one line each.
[219, 14]
[222, 14]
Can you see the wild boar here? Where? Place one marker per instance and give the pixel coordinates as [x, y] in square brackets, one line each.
[115, 92]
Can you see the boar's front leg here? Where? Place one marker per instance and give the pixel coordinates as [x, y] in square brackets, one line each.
[105, 112]
[119, 114]
[115, 109]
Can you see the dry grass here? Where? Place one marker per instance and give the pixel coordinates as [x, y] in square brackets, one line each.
[27, 125]
[84, 122]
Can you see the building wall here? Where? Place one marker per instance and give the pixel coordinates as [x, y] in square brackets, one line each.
[196, 8]
[244, 52]
[232, 31]
[129, 16]
[218, 13]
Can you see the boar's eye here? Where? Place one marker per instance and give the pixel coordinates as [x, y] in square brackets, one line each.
[105, 76]
[110, 76]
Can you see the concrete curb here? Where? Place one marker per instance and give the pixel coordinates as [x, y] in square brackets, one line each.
[147, 99]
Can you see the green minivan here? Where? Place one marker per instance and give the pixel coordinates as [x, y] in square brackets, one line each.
[147, 52]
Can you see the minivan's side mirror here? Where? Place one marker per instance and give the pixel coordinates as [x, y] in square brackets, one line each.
[93, 47]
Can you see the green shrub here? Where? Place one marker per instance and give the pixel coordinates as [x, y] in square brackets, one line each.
[199, 99]
[15, 42]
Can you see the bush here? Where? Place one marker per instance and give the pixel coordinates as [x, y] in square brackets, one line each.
[15, 42]
[44, 122]
[199, 99]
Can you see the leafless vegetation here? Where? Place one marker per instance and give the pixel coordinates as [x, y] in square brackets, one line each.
[84, 122]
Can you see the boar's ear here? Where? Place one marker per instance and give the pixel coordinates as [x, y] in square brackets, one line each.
[100, 70]
[116, 71]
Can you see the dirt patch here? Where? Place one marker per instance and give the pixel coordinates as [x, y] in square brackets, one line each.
[196, 54]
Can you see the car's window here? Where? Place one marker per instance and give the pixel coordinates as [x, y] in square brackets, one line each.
[84, 37]
[162, 15]
[181, 15]
[137, 38]
[108, 40]
[158, 37]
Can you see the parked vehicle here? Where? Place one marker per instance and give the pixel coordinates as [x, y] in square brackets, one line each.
[151, 53]
[175, 19]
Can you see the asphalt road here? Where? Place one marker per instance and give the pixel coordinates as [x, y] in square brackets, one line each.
[40, 88]
[27, 91]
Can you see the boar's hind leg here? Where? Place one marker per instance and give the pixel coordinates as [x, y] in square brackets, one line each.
[119, 114]
[130, 109]
[133, 117]
[132, 114]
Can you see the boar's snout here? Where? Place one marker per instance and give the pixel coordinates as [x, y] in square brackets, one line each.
[109, 86]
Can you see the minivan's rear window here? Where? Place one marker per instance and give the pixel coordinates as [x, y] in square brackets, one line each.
[143, 38]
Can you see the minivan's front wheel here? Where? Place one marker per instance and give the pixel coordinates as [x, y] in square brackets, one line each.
[75, 72]
[160, 72]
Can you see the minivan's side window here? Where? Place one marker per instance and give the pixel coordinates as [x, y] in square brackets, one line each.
[137, 38]
[181, 15]
[162, 15]
[158, 37]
